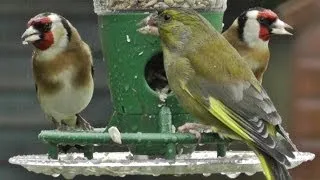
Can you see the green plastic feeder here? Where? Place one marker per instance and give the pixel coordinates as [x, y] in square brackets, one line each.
[134, 62]
[131, 58]
[145, 112]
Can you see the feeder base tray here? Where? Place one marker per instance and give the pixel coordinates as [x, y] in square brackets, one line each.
[124, 163]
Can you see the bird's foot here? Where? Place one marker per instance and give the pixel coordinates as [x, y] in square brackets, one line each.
[195, 129]
[59, 125]
[83, 124]
[62, 127]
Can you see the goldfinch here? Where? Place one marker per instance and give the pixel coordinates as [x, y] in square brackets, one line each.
[250, 34]
[62, 70]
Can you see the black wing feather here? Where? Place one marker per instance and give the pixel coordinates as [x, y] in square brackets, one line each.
[253, 111]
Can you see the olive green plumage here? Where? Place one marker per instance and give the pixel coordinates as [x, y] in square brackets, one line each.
[213, 82]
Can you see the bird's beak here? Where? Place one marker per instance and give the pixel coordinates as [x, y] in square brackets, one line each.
[279, 27]
[30, 35]
[150, 25]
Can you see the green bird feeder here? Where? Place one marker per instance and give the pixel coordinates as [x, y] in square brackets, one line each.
[146, 112]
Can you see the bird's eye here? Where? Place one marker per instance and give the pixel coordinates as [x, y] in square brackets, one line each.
[43, 27]
[46, 27]
[263, 20]
[166, 17]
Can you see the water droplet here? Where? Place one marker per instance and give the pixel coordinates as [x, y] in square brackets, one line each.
[128, 38]
[232, 175]
[173, 129]
[249, 173]
[55, 175]
[126, 88]
[174, 139]
[206, 174]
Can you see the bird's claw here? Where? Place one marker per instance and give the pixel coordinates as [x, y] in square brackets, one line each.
[83, 124]
[62, 127]
[196, 133]
[195, 129]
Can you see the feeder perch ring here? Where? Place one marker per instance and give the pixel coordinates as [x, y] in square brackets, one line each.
[124, 163]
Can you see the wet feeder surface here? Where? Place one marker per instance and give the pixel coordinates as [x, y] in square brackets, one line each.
[124, 163]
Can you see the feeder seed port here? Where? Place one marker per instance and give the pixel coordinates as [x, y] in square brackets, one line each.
[155, 74]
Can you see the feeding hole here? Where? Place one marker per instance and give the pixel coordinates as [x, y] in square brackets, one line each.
[155, 74]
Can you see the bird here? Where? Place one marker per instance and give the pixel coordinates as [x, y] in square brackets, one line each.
[250, 33]
[215, 84]
[62, 70]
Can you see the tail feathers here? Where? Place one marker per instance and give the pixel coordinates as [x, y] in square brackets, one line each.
[285, 148]
[289, 144]
[272, 169]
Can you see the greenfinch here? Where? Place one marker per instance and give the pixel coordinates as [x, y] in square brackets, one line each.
[215, 84]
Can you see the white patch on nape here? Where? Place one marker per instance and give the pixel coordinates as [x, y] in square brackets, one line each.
[251, 31]
[54, 17]
[252, 14]
[60, 37]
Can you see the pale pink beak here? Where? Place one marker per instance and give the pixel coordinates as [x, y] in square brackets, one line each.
[30, 35]
[279, 27]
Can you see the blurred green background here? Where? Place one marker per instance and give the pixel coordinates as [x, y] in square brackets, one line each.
[20, 116]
